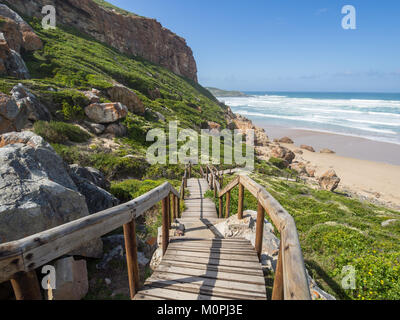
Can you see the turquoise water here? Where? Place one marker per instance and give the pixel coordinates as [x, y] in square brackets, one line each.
[374, 116]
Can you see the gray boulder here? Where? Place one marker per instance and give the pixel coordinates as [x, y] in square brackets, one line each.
[97, 199]
[91, 174]
[37, 191]
[12, 116]
[24, 98]
[117, 130]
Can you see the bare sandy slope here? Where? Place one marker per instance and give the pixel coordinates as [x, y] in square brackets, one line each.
[364, 177]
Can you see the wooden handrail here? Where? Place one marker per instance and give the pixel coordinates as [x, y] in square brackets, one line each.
[291, 280]
[18, 259]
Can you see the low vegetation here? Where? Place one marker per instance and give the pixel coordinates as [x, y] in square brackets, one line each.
[60, 132]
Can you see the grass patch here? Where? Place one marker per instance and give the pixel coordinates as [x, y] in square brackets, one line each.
[60, 132]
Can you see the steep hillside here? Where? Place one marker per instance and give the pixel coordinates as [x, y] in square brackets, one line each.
[72, 63]
[128, 33]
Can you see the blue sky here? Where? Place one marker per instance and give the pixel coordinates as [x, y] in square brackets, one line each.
[285, 45]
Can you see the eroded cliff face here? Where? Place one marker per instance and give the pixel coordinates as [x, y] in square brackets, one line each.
[129, 34]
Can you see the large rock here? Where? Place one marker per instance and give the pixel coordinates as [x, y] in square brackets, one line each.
[127, 97]
[37, 191]
[97, 199]
[26, 99]
[91, 174]
[71, 280]
[328, 151]
[106, 112]
[329, 180]
[308, 148]
[11, 63]
[286, 140]
[129, 33]
[282, 153]
[117, 130]
[12, 116]
[243, 124]
[17, 32]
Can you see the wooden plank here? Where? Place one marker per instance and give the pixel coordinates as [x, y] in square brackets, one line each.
[248, 265]
[204, 289]
[213, 255]
[238, 240]
[205, 266]
[215, 244]
[217, 250]
[216, 283]
[141, 296]
[212, 274]
[168, 294]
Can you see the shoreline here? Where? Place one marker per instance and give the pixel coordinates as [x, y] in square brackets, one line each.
[344, 145]
[376, 180]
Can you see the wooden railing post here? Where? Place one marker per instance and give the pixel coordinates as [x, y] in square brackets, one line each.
[277, 291]
[165, 226]
[240, 201]
[211, 181]
[174, 212]
[259, 229]
[215, 188]
[208, 181]
[131, 257]
[26, 286]
[185, 179]
[169, 210]
[228, 204]
[220, 212]
[178, 207]
[190, 170]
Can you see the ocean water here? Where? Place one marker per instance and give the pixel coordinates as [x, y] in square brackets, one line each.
[374, 116]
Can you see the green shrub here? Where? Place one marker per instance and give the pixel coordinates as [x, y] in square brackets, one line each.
[60, 132]
[72, 112]
[279, 163]
[131, 189]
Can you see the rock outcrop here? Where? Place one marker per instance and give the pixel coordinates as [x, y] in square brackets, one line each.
[17, 32]
[86, 180]
[243, 124]
[11, 63]
[127, 97]
[37, 191]
[328, 151]
[105, 113]
[286, 140]
[15, 35]
[329, 180]
[308, 148]
[283, 153]
[24, 98]
[128, 33]
[19, 110]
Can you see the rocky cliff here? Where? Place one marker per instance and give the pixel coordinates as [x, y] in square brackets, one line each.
[130, 34]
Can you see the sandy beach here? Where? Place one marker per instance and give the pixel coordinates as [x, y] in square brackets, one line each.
[343, 145]
[367, 168]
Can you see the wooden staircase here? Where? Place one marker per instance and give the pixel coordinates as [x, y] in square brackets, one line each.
[201, 265]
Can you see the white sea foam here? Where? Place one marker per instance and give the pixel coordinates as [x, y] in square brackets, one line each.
[376, 119]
